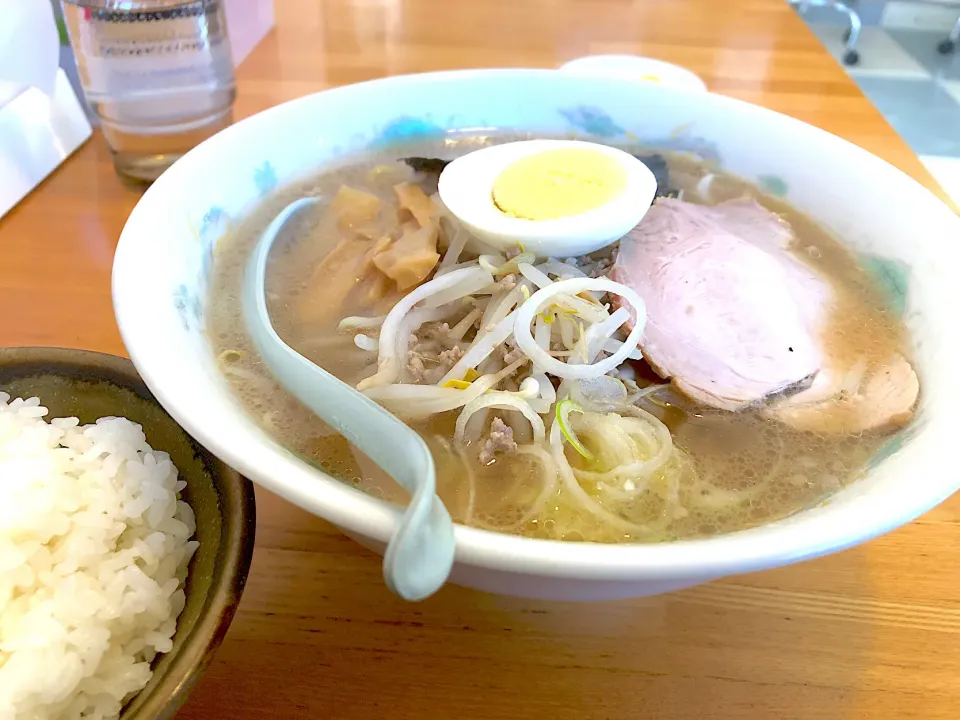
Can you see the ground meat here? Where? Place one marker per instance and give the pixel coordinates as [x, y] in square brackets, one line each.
[596, 265]
[430, 335]
[437, 364]
[511, 355]
[449, 358]
[602, 266]
[500, 440]
[507, 282]
[414, 368]
[431, 354]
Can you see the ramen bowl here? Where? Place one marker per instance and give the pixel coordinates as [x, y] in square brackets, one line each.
[900, 230]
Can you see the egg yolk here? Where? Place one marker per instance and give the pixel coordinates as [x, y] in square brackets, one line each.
[558, 183]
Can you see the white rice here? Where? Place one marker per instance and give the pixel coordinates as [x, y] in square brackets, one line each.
[94, 546]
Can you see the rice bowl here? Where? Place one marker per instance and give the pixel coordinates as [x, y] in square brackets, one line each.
[115, 593]
[94, 545]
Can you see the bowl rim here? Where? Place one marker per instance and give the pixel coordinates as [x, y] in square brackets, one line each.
[237, 502]
[769, 545]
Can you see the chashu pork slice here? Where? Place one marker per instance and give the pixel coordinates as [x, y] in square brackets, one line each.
[863, 398]
[733, 317]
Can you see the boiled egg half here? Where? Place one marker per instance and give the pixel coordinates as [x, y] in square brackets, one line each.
[555, 198]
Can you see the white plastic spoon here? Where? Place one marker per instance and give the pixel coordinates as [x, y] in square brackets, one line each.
[420, 554]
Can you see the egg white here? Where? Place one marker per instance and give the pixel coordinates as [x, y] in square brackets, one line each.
[466, 189]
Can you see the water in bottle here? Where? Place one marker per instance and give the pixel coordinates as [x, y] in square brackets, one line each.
[157, 73]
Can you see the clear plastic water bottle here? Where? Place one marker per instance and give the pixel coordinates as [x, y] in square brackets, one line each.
[157, 73]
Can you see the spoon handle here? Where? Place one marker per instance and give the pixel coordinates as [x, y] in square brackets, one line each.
[420, 554]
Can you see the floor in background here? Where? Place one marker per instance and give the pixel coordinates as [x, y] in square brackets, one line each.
[916, 88]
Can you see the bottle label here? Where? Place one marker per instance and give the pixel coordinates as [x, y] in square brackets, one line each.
[164, 51]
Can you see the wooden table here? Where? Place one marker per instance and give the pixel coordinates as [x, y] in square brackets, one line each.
[870, 633]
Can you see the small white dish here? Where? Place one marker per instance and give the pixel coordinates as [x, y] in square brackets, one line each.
[636, 67]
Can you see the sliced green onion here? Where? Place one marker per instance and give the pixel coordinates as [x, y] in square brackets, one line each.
[564, 408]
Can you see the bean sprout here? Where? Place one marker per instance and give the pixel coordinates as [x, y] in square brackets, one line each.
[388, 364]
[365, 342]
[361, 323]
[527, 312]
[503, 401]
[460, 329]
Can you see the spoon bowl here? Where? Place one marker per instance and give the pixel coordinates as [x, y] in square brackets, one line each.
[420, 554]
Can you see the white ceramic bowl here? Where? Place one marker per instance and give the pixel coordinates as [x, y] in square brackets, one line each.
[902, 231]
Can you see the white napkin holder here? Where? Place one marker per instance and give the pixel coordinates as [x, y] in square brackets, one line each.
[41, 119]
[37, 133]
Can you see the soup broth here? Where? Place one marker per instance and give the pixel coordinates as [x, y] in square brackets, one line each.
[729, 471]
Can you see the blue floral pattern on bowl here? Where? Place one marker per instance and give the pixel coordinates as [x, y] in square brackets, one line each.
[773, 185]
[187, 297]
[594, 123]
[188, 305]
[265, 178]
[406, 129]
[893, 277]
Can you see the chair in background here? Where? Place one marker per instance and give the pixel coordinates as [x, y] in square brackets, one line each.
[852, 33]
